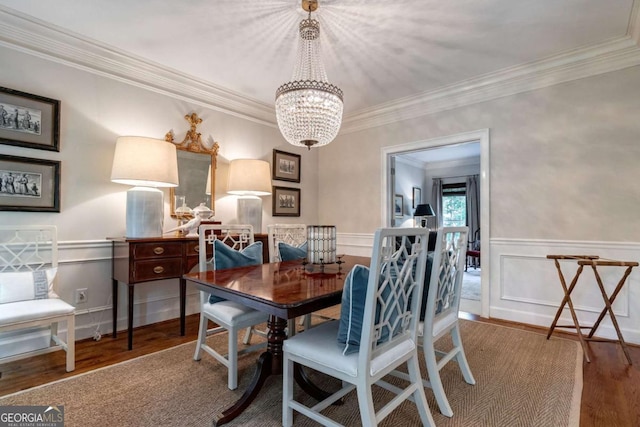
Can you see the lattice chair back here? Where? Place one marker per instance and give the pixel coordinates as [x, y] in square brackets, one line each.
[291, 234]
[28, 282]
[447, 272]
[28, 248]
[394, 291]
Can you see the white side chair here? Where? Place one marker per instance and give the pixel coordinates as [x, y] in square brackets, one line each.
[230, 316]
[394, 289]
[294, 235]
[28, 267]
[441, 316]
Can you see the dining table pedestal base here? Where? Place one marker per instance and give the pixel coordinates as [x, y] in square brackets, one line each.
[270, 363]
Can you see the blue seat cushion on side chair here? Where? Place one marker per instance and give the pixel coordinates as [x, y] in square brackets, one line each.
[292, 253]
[227, 257]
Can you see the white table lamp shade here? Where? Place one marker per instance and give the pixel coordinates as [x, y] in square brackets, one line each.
[249, 178]
[145, 163]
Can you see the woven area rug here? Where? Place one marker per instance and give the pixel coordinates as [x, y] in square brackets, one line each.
[522, 380]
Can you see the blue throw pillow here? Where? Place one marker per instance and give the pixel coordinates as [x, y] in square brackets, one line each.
[352, 309]
[226, 257]
[292, 253]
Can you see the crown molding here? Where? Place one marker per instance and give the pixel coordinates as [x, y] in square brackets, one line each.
[27, 34]
[577, 64]
[24, 33]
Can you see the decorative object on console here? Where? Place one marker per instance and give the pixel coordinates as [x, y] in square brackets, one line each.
[286, 166]
[421, 214]
[146, 163]
[321, 244]
[29, 121]
[30, 185]
[309, 108]
[249, 179]
[196, 160]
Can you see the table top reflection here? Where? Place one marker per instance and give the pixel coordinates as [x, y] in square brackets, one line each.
[287, 289]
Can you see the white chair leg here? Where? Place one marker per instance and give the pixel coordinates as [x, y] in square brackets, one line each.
[202, 336]
[307, 322]
[419, 396]
[247, 335]
[461, 358]
[71, 343]
[291, 327]
[287, 391]
[233, 359]
[434, 378]
[365, 402]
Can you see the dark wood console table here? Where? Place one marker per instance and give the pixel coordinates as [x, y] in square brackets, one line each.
[144, 260]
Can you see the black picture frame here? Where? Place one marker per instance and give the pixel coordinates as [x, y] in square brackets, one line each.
[286, 166]
[398, 205]
[40, 191]
[28, 120]
[286, 201]
[417, 197]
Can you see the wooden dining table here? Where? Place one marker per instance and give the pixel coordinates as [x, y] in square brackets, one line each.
[284, 290]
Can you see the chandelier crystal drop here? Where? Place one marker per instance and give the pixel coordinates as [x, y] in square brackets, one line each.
[309, 108]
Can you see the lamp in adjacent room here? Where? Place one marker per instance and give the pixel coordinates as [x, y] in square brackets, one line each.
[309, 108]
[145, 163]
[249, 179]
[421, 214]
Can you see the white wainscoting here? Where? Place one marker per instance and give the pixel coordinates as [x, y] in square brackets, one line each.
[524, 285]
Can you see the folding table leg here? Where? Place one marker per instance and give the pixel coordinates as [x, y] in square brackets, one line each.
[608, 301]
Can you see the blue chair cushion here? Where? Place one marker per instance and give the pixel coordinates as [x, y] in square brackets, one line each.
[292, 253]
[227, 257]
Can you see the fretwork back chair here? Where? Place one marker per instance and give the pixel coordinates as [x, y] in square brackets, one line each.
[294, 235]
[28, 268]
[392, 299]
[441, 316]
[228, 315]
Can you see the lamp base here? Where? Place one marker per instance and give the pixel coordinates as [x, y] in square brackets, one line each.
[250, 212]
[145, 212]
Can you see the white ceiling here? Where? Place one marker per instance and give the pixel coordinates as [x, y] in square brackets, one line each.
[377, 51]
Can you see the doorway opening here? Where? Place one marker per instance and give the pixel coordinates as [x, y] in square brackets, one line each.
[453, 188]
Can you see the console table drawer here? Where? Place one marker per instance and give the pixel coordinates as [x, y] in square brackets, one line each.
[157, 269]
[157, 250]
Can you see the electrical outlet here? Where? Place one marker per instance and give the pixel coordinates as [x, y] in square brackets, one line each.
[82, 295]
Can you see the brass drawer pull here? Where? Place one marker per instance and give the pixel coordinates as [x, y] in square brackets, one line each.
[159, 269]
[197, 249]
[158, 250]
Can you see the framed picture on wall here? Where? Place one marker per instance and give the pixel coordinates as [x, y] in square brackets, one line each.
[31, 185]
[286, 201]
[398, 205]
[286, 166]
[417, 196]
[28, 120]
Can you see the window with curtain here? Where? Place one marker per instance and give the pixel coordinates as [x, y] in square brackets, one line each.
[454, 205]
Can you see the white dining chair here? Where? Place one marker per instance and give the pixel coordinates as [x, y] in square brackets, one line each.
[228, 315]
[441, 312]
[388, 298]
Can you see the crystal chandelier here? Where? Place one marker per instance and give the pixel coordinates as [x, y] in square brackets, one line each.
[309, 108]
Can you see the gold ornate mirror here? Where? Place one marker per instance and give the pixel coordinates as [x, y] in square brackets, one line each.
[197, 164]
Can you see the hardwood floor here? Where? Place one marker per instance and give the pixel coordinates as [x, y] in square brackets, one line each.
[610, 396]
